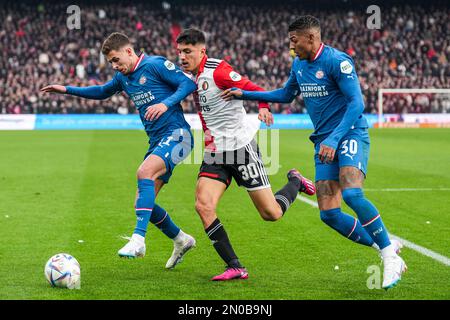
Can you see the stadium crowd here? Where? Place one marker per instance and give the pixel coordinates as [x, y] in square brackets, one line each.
[411, 50]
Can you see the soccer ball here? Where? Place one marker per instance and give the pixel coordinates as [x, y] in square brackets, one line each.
[63, 271]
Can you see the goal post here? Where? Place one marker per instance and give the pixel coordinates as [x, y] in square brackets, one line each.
[437, 115]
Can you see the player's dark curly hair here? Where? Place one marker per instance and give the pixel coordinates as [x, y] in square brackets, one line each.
[115, 41]
[304, 23]
[191, 36]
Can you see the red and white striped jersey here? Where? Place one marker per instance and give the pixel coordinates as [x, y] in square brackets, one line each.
[223, 121]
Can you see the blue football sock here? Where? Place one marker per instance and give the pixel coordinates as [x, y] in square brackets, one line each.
[161, 219]
[346, 225]
[368, 215]
[144, 205]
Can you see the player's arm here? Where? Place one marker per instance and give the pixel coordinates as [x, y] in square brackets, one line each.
[225, 78]
[343, 72]
[283, 95]
[169, 73]
[98, 92]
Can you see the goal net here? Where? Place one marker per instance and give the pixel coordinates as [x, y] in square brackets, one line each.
[413, 108]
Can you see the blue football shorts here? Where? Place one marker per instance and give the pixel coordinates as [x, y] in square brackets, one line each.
[172, 148]
[353, 151]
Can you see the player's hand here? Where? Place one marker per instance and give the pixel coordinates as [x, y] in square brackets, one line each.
[230, 94]
[155, 111]
[326, 154]
[54, 88]
[265, 116]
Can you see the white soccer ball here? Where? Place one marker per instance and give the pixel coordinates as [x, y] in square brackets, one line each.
[63, 271]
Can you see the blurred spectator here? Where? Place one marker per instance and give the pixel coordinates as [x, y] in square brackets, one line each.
[411, 51]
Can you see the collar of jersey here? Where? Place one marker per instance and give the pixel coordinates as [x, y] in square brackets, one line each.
[201, 67]
[141, 57]
[319, 52]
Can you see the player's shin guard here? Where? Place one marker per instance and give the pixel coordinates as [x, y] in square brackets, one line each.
[287, 195]
[144, 205]
[368, 215]
[219, 238]
[346, 225]
[161, 219]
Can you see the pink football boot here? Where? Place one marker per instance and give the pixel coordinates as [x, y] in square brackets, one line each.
[231, 273]
[306, 185]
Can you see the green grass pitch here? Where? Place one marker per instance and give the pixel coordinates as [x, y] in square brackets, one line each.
[59, 187]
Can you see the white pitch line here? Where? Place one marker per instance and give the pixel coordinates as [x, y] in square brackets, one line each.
[422, 250]
[407, 189]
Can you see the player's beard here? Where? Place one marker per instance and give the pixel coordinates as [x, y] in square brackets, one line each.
[298, 54]
[304, 56]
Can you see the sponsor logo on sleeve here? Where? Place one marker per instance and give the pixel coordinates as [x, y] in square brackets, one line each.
[169, 65]
[235, 76]
[346, 67]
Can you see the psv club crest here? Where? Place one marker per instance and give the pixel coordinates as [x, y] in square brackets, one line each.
[142, 80]
[319, 74]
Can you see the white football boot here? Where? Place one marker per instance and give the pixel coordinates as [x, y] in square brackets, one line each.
[395, 243]
[135, 248]
[394, 267]
[182, 243]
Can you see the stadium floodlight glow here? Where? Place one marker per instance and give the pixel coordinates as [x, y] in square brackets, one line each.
[420, 119]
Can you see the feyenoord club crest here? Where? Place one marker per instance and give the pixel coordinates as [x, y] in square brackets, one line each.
[319, 74]
[205, 85]
[142, 80]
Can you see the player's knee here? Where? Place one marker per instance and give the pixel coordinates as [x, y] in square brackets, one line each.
[271, 214]
[206, 212]
[330, 216]
[352, 196]
[272, 218]
[141, 173]
[145, 173]
[204, 208]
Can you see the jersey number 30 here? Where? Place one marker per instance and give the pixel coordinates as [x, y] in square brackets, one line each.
[349, 145]
[248, 171]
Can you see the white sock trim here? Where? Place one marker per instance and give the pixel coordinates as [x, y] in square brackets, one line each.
[138, 238]
[389, 251]
[180, 236]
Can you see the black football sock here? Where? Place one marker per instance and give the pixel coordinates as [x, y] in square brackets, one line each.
[287, 194]
[219, 238]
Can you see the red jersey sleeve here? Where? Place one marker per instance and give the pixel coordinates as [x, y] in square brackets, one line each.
[225, 78]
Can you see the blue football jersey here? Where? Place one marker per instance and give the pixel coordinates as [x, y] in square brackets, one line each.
[328, 84]
[155, 80]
